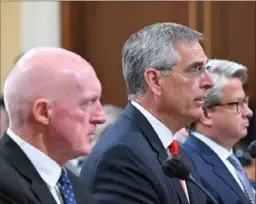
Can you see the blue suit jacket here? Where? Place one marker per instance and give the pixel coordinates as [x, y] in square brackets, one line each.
[213, 173]
[125, 166]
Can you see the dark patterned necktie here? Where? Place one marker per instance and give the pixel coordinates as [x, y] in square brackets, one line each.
[66, 189]
[243, 178]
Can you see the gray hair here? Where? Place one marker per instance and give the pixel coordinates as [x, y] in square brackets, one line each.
[153, 47]
[221, 71]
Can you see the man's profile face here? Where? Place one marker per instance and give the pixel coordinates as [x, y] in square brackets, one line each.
[74, 118]
[231, 123]
[185, 89]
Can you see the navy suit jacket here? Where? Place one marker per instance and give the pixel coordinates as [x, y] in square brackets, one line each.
[213, 173]
[20, 182]
[125, 166]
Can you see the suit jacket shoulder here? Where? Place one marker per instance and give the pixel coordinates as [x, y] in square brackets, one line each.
[213, 173]
[125, 165]
[20, 182]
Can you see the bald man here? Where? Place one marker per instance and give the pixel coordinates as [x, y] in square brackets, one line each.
[52, 99]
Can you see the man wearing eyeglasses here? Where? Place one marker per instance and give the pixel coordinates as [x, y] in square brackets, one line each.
[223, 124]
[166, 78]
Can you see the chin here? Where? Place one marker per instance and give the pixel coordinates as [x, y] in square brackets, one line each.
[243, 134]
[83, 150]
[196, 114]
[87, 150]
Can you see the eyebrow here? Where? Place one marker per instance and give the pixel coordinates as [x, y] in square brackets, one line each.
[242, 98]
[194, 64]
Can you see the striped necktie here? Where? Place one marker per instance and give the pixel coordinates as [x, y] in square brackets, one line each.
[248, 190]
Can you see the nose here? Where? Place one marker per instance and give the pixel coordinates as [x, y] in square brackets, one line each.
[98, 116]
[248, 112]
[206, 80]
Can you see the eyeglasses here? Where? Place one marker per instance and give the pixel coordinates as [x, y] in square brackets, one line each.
[199, 70]
[239, 104]
[196, 72]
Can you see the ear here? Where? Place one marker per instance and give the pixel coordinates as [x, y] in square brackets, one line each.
[41, 111]
[153, 80]
[206, 119]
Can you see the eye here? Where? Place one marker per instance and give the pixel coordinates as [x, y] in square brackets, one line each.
[197, 69]
[91, 102]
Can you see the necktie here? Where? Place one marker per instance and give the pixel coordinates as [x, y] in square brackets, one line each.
[243, 178]
[174, 150]
[66, 189]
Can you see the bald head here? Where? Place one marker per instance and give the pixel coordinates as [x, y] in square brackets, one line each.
[42, 73]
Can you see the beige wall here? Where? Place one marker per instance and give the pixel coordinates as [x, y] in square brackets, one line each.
[10, 37]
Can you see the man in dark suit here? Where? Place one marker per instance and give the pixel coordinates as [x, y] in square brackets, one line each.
[165, 73]
[53, 111]
[224, 123]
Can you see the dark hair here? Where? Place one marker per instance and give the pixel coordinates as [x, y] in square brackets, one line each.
[2, 102]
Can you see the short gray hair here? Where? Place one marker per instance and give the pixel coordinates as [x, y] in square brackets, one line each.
[221, 71]
[153, 46]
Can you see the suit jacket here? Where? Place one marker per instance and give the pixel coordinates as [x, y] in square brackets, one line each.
[213, 173]
[20, 183]
[125, 166]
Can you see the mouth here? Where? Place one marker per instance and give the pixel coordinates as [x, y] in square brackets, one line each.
[246, 124]
[199, 101]
[91, 138]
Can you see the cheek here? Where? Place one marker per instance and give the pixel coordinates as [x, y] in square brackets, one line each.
[229, 123]
[68, 121]
[178, 90]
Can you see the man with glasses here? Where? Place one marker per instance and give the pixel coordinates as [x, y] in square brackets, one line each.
[166, 78]
[224, 123]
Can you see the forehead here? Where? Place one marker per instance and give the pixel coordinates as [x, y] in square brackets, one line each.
[87, 81]
[190, 53]
[81, 84]
[233, 90]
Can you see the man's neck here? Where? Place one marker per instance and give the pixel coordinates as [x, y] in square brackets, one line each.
[220, 139]
[170, 121]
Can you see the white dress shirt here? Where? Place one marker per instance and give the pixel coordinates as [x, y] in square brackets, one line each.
[47, 168]
[164, 134]
[222, 153]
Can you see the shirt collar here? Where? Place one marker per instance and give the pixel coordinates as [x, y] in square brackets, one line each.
[47, 168]
[221, 151]
[164, 134]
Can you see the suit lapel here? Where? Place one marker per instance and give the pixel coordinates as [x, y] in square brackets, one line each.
[147, 130]
[42, 192]
[23, 165]
[194, 192]
[156, 144]
[219, 167]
